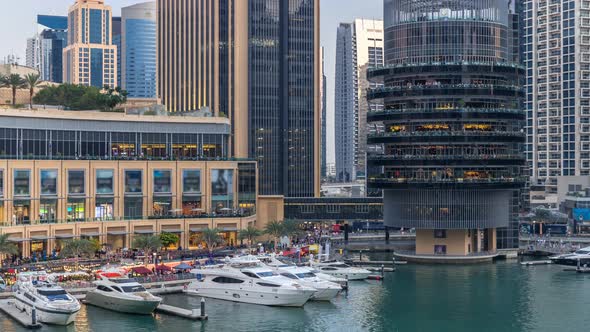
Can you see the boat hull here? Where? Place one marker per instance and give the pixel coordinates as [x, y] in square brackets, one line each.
[129, 306]
[283, 299]
[349, 276]
[47, 315]
[325, 294]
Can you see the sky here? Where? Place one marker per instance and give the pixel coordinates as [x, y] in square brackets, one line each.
[19, 24]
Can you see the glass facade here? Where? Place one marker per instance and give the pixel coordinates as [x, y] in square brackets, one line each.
[222, 191]
[140, 58]
[83, 144]
[95, 27]
[452, 117]
[49, 182]
[282, 84]
[22, 183]
[96, 67]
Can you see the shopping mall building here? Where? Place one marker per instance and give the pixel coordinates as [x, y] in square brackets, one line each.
[111, 176]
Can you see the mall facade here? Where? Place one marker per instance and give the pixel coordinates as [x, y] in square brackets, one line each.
[111, 177]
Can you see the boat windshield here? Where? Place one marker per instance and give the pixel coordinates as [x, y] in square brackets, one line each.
[305, 275]
[265, 274]
[582, 252]
[54, 294]
[133, 289]
[338, 265]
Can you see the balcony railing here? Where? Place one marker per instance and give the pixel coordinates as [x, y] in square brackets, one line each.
[446, 157]
[119, 158]
[442, 133]
[385, 180]
[445, 110]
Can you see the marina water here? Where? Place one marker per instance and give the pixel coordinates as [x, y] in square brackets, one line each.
[496, 297]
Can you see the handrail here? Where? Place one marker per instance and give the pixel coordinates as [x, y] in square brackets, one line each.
[455, 180]
[465, 109]
[446, 133]
[446, 157]
[455, 63]
[444, 86]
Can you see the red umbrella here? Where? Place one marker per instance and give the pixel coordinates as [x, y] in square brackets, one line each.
[163, 268]
[141, 270]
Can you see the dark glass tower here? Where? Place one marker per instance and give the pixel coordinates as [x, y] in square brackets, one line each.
[452, 164]
[284, 103]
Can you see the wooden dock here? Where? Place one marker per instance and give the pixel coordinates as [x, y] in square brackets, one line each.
[180, 312]
[8, 307]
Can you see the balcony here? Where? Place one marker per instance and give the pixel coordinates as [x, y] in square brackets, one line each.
[412, 183]
[413, 91]
[447, 136]
[446, 113]
[450, 160]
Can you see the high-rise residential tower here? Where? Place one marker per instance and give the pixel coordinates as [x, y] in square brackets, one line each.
[359, 45]
[284, 89]
[90, 57]
[52, 41]
[256, 62]
[32, 53]
[324, 85]
[138, 50]
[453, 161]
[557, 58]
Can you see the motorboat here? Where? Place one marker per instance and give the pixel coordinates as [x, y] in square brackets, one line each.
[2, 285]
[341, 270]
[247, 280]
[325, 289]
[52, 304]
[581, 257]
[122, 295]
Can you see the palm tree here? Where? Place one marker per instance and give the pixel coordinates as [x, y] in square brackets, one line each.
[33, 80]
[15, 82]
[290, 228]
[147, 243]
[211, 237]
[78, 247]
[7, 247]
[274, 229]
[249, 234]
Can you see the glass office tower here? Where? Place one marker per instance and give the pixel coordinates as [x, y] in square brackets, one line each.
[453, 137]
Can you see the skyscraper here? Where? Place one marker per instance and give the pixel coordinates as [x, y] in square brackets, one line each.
[52, 41]
[256, 62]
[90, 57]
[324, 85]
[359, 45]
[138, 50]
[452, 164]
[557, 58]
[116, 40]
[284, 90]
[32, 53]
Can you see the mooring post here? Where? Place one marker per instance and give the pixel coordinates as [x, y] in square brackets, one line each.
[202, 307]
[34, 316]
[382, 271]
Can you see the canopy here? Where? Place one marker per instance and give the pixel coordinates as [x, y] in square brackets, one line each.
[141, 270]
[163, 268]
[183, 266]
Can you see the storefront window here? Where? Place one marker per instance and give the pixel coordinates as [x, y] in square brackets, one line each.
[191, 206]
[133, 207]
[191, 181]
[76, 185]
[104, 182]
[162, 181]
[76, 209]
[247, 188]
[49, 182]
[104, 208]
[21, 212]
[161, 206]
[222, 190]
[133, 182]
[22, 182]
[1, 183]
[47, 210]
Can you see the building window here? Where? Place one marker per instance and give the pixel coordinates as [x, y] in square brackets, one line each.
[222, 190]
[76, 183]
[361, 208]
[161, 205]
[104, 208]
[76, 209]
[440, 249]
[162, 181]
[307, 208]
[21, 212]
[440, 233]
[22, 182]
[191, 181]
[48, 210]
[333, 208]
[49, 182]
[133, 182]
[133, 208]
[1, 183]
[104, 182]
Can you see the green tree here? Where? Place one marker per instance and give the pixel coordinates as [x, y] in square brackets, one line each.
[7, 247]
[249, 234]
[169, 239]
[80, 97]
[275, 230]
[211, 237]
[15, 82]
[147, 243]
[33, 80]
[78, 248]
[290, 228]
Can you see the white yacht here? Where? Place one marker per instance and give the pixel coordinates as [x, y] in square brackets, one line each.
[581, 255]
[325, 289]
[122, 295]
[341, 270]
[52, 303]
[246, 280]
[2, 285]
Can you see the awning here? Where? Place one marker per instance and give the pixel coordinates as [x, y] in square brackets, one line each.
[141, 270]
[142, 231]
[17, 239]
[40, 238]
[163, 268]
[90, 234]
[116, 233]
[173, 231]
[197, 229]
[229, 229]
[64, 236]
